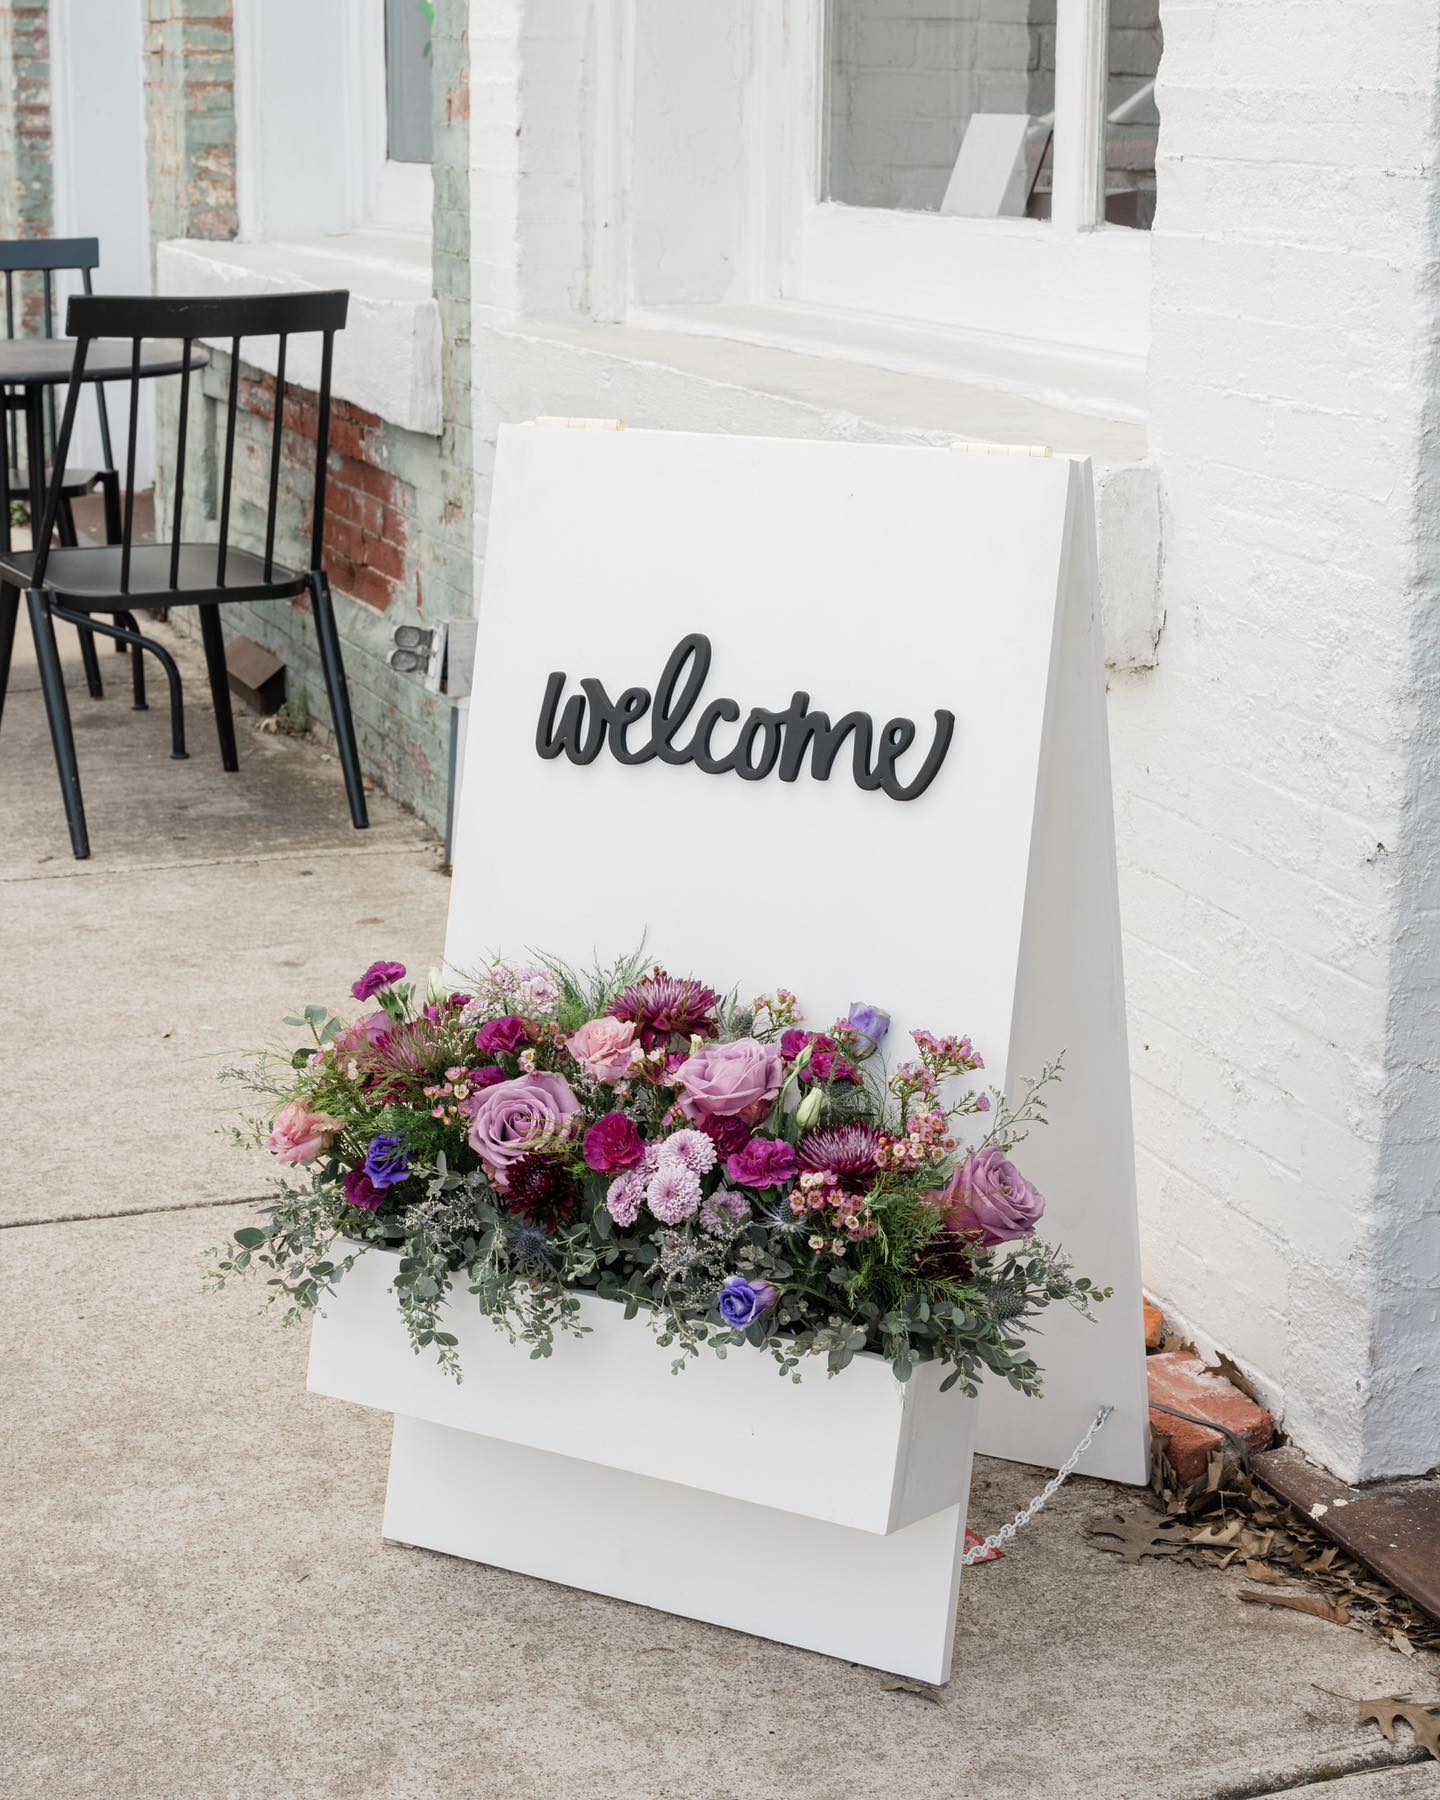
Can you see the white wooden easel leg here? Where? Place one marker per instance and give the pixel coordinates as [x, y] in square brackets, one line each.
[888, 1602]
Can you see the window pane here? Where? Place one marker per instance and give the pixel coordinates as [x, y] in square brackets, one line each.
[941, 105]
[1133, 124]
[407, 79]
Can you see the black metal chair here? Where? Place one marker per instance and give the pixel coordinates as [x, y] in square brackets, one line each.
[74, 584]
[49, 258]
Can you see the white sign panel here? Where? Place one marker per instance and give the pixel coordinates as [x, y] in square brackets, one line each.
[676, 634]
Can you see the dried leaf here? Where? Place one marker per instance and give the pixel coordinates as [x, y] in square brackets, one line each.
[1305, 1603]
[1138, 1536]
[1259, 1571]
[911, 1687]
[1423, 1719]
[1401, 1642]
[1218, 1537]
[1325, 1559]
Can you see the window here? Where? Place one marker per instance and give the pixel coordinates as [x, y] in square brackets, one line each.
[949, 106]
[409, 126]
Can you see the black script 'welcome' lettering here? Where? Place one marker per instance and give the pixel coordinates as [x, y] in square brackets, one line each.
[767, 740]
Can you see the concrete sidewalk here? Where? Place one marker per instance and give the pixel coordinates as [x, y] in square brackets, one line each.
[196, 1600]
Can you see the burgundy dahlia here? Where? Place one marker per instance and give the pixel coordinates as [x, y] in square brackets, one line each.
[661, 1006]
[542, 1192]
[848, 1151]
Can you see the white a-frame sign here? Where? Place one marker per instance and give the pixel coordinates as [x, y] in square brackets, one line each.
[962, 876]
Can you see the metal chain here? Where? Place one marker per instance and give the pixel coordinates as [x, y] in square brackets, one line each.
[1042, 1499]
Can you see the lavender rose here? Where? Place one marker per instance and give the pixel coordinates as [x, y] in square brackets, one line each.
[730, 1081]
[763, 1163]
[613, 1144]
[378, 976]
[514, 1118]
[989, 1197]
[743, 1302]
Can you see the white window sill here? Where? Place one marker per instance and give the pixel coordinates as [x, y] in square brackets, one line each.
[1092, 383]
[719, 369]
[387, 360]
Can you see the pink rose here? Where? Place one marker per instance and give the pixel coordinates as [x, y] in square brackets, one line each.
[364, 1033]
[602, 1047]
[730, 1081]
[301, 1135]
[516, 1118]
[989, 1198]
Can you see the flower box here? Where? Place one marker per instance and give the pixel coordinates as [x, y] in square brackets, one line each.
[825, 1513]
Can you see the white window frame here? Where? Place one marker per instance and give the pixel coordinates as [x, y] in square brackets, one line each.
[374, 193]
[1069, 287]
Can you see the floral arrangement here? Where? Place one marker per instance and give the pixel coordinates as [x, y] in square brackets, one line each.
[734, 1176]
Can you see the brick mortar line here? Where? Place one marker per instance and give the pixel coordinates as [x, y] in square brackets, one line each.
[135, 1212]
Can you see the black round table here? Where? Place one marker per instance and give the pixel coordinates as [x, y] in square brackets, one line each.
[35, 367]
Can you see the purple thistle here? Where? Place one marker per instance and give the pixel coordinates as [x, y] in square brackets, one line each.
[846, 1150]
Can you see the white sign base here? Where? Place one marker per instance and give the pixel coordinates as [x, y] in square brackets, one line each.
[888, 1602]
[894, 581]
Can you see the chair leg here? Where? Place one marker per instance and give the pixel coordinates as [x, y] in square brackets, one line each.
[110, 491]
[214, 641]
[334, 669]
[110, 488]
[65, 531]
[57, 711]
[9, 613]
[137, 668]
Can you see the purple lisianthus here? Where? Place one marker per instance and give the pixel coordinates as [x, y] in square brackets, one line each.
[379, 975]
[613, 1144]
[743, 1302]
[989, 1198]
[503, 1037]
[730, 1081]
[361, 1191]
[516, 1118]
[386, 1164]
[870, 1024]
[763, 1163]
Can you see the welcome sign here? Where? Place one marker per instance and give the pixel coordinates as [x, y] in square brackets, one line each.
[832, 715]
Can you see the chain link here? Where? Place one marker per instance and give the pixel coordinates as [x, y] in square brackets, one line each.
[1042, 1499]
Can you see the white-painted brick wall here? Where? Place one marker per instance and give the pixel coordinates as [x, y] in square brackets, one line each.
[1263, 770]
[1277, 775]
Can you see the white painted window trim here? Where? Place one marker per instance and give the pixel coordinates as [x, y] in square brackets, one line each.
[1071, 287]
[379, 194]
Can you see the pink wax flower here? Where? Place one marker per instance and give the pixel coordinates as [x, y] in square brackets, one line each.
[763, 1163]
[301, 1135]
[988, 1197]
[503, 1037]
[602, 1047]
[515, 1118]
[364, 1033]
[378, 976]
[613, 1144]
[730, 1081]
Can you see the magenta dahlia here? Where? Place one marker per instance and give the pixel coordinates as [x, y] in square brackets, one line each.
[848, 1151]
[661, 1006]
